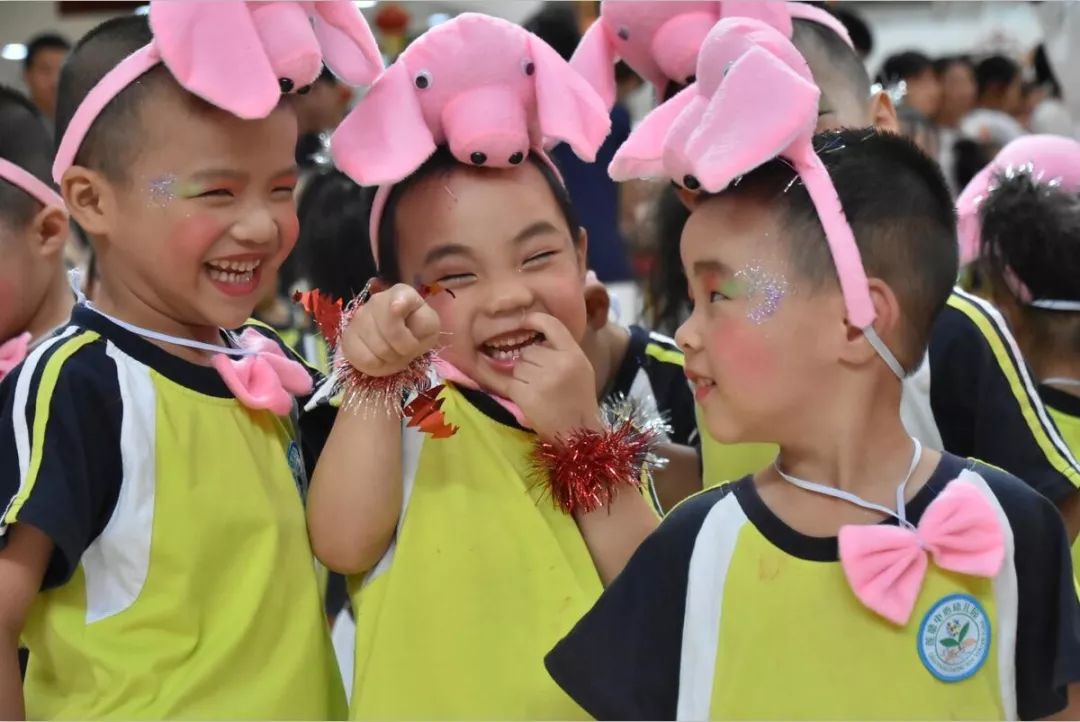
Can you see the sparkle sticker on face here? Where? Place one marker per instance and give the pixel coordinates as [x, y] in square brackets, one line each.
[762, 289]
[162, 191]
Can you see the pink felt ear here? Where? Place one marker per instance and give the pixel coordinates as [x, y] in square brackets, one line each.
[743, 127]
[288, 41]
[774, 13]
[349, 49]
[676, 44]
[385, 137]
[566, 105]
[641, 155]
[594, 60]
[214, 51]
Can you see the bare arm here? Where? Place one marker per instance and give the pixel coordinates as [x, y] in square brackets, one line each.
[356, 490]
[1072, 712]
[614, 532]
[22, 568]
[355, 497]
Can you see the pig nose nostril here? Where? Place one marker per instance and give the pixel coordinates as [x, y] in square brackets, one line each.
[516, 158]
[478, 158]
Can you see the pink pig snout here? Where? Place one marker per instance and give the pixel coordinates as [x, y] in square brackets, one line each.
[675, 45]
[487, 126]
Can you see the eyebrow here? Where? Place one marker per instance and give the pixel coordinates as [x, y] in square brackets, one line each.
[700, 268]
[445, 251]
[226, 173]
[535, 229]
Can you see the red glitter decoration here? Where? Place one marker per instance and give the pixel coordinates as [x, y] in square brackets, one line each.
[425, 413]
[325, 311]
[586, 469]
[388, 392]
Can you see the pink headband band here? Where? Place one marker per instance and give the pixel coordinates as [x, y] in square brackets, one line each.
[1052, 158]
[238, 56]
[754, 100]
[126, 72]
[382, 194]
[25, 180]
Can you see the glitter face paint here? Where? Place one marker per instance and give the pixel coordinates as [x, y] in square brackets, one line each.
[166, 189]
[763, 291]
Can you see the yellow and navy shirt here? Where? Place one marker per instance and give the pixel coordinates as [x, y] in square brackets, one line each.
[483, 577]
[726, 612]
[1064, 409]
[181, 583]
[974, 397]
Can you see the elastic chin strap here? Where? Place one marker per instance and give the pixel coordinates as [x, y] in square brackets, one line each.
[884, 352]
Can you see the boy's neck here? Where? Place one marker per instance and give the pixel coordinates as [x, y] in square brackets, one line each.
[124, 304]
[860, 446]
[55, 308]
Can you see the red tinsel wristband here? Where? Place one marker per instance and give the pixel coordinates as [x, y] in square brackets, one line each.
[388, 393]
[586, 469]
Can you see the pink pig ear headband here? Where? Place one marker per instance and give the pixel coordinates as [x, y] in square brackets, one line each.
[728, 123]
[1048, 159]
[485, 88]
[238, 56]
[24, 179]
[660, 40]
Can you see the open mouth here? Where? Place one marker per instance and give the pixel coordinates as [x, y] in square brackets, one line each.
[703, 385]
[236, 272]
[508, 347]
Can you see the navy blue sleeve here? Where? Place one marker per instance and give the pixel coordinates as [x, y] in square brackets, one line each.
[1048, 617]
[60, 457]
[984, 402]
[621, 661]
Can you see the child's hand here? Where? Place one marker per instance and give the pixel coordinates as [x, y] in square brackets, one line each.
[553, 382]
[389, 331]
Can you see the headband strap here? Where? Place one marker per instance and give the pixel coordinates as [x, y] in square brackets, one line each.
[382, 195]
[126, 72]
[26, 180]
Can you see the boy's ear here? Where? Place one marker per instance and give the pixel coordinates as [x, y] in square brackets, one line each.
[888, 322]
[89, 199]
[883, 113]
[582, 250]
[51, 230]
[597, 302]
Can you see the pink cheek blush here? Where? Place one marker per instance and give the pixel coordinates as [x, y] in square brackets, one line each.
[191, 238]
[740, 353]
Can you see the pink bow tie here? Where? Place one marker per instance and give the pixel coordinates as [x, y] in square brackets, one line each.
[885, 565]
[266, 380]
[12, 352]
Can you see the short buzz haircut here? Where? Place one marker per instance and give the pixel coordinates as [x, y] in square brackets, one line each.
[108, 146]
[24, 141]
[900, 211]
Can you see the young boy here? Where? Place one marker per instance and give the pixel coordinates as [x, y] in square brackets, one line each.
[154, 549]
[777, 348]
[35, 298]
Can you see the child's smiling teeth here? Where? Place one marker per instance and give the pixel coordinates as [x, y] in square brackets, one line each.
[508, 347]
[225, 271]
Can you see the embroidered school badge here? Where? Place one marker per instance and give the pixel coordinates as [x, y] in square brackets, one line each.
[954, 638]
